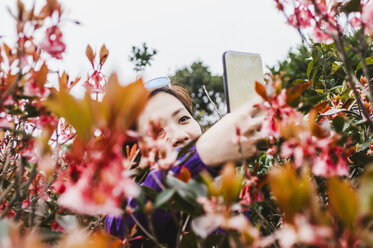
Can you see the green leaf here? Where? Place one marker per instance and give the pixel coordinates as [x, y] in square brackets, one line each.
[189, 241]
[186, 148]
[164, 197]
[78, 113]
[333, 111]
[344, 201]
[352, 6]
[309, 69]
[368, 61]
[336, 65]
[150, 192]
[338, 123]
[366, 192]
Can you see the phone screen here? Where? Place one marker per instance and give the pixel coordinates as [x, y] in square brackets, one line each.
[241, 70]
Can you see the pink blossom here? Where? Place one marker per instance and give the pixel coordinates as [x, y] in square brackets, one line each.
[5, 123]
[52, 42]
[331, 161]
[32, 89]
[302, 232]
[277, 112]
[355, 22]
[96, 82]
[9, 101]
[106, 197]
[157, 152]
[367, 17]
[319, 35]
[301, 18]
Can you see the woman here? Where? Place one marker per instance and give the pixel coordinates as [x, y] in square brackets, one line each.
[172, 105]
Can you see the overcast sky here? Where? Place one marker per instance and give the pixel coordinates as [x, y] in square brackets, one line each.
[181, 30]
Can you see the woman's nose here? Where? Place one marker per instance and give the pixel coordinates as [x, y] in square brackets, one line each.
[177, 136]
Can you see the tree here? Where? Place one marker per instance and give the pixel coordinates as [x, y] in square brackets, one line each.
[141, 57]
[193, 78]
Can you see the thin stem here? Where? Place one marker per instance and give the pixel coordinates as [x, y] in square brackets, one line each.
[158, 182]
[265, 221]
[144, 230]
[213, 104]
[5, 193]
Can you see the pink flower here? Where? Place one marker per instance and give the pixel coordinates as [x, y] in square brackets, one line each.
[367, 17]
[32, 89]
[355, 22]
[104, 198]
[9, 101]
[319, 35]
[278, 112]
[96, 82]
[331, 160]
[302, 232]
[52, 42]
[5, 123]
[301, 18]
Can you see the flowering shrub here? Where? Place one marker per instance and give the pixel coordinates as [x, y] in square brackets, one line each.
[65, 163]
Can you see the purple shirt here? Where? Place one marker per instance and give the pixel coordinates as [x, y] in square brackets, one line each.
[163, 222]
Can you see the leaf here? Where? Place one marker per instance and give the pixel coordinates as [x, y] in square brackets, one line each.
[78, 113]
[261, 90]
[291, 192]
[90, 54]
[338, 123]
[344, 200]
[73, 83]
[352, 6]
[336, 65]
[333, 111]
[368, 61]
[231, 182]
[295, 91]
[104, 53]
[309, 69]
[150, 192]
[164, 197]
[184, 174]
[366, 191]
[41, 75]
[320, 107]
[63, 80]
[183, 151]
[121, 105]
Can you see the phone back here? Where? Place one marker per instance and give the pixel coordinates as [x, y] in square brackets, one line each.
[241, 70]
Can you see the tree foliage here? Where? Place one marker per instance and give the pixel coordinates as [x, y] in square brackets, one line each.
[193, 78]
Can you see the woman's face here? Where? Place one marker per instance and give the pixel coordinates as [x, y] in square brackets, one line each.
[179, 126]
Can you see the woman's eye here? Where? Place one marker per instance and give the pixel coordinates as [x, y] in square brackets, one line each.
[184, 119]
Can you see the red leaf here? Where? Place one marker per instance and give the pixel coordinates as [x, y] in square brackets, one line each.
[261, 90]
[184, 174]
[294, 92]
[104, 53]
[90, 54]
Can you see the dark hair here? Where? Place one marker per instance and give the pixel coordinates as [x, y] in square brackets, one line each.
[179, 92]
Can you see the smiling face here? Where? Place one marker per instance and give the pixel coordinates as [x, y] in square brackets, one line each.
[178, 124]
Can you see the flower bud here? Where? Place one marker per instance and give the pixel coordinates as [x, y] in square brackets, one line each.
[148, 207]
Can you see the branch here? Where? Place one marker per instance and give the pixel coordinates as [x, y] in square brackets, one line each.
[213, 104]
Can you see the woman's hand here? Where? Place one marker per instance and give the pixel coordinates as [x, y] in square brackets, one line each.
[217, 144]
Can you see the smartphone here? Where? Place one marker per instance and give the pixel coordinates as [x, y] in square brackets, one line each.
[241, 71]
